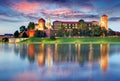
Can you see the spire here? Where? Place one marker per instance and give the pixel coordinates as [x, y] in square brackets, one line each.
[48, 23]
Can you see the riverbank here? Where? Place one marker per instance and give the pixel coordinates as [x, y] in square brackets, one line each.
[74, 40]
[95, 40]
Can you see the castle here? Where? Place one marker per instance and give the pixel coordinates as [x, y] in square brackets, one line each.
[68, 25]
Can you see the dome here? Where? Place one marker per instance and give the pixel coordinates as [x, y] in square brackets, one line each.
[41, 19]
[104, 15]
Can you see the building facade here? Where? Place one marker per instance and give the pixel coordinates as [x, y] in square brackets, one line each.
[40, 25]
[104, 21]
[71, 25]
[67, 25]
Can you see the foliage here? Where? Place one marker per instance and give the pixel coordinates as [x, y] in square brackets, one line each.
[95, 31]
[52, 37]
[22, 29]
[40, 34]
[74, 32]
[111, 32]
[16, 34]
[81, 24]
[61, 32]
[5, 39]
[31, 26]
[24, 35]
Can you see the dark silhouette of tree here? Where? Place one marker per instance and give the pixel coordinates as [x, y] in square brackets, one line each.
[111, 32]
[40, 34]
[81, 24]
[61, 32]
[74, 32]
[52, 36]
[5, 39]
[24, 35]
[16, 34]
[22, 29]
[31, 26]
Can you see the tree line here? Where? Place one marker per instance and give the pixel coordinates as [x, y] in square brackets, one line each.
[22, 32]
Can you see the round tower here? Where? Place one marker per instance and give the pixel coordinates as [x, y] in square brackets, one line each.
[41, 24]
[104, 21]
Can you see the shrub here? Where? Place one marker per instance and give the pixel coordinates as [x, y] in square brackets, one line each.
[5, 39]
[52, 37]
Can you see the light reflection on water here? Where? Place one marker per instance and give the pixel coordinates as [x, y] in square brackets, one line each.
[59, 62]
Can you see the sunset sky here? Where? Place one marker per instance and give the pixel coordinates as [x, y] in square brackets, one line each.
[15, 13]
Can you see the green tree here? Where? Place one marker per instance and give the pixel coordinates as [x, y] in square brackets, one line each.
[74, 32]
[61, 32]
[16, 34]
[111, 32]
[22, 29]
[40, 34]
[24, 35]
[104, 32]
[31, 26]
[81, 24]
[96, 31]
[52, 36]
[5, 39]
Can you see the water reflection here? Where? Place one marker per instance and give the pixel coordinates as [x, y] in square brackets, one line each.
[90, 57]
[41, 55]
[31, 52]
[104, 56]
[48, 55]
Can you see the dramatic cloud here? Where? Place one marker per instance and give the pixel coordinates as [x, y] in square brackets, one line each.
[8, 18]
[31, 10]
[114, 19]
[26, 8]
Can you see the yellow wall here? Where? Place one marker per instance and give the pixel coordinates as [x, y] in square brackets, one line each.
[104, 22]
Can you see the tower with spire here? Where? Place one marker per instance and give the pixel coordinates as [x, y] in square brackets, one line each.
[48, 23]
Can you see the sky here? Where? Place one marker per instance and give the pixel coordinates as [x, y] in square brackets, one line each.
[15, 13]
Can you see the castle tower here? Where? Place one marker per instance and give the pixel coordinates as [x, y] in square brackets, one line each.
[41, 24]
[104, 21]
[48, 23]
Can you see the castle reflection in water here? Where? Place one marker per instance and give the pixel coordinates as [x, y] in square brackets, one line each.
[50, 54]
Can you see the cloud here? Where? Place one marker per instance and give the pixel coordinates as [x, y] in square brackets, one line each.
[10, 20]
[60, 12]
[114, 19]
[26, 7]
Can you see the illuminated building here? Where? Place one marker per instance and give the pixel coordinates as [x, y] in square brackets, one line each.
[104, 21]
[95, 23]
[40, 25]
[71, 25]
[31, 33]
[68, 25]
[104, 56]
[48, 23]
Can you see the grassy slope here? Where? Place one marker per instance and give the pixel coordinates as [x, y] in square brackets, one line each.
[72, 40]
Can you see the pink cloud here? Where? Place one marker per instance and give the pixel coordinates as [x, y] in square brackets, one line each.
[26, 8]
[60, 12]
